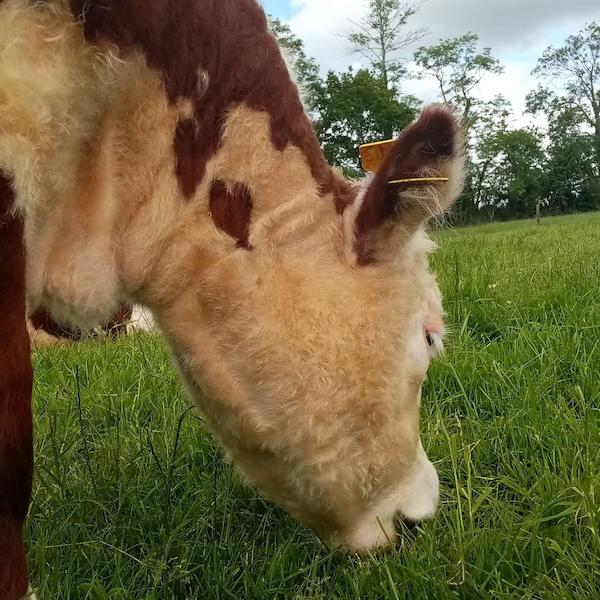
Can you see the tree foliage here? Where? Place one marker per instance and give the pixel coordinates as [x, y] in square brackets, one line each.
[514, 184]
[383, 35]
[350, 108]
[356, 108]
[571, 181]
[510, 171]
[574, 69]
[486, 134]
[458, 67]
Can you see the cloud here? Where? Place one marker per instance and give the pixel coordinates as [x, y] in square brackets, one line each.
[323, 24]
[517, 31]
[506, 25]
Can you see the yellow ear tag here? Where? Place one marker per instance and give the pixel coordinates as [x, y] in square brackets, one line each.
[373, 156]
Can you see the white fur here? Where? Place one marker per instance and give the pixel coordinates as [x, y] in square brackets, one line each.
[350, 216]
[415, 499]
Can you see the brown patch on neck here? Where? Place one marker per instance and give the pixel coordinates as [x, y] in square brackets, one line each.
[118, 323]
[225, 49]
[231, 210]
[16, 452]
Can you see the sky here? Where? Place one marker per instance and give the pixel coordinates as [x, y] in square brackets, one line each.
[518, 31]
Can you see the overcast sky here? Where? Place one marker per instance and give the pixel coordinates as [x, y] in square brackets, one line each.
[517, 30]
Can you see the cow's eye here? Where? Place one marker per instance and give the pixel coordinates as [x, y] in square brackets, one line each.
[435, 342]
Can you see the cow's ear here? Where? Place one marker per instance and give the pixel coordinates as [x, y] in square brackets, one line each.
[420, 178]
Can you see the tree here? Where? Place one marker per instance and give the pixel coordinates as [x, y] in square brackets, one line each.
[382, 36]
[305, 68]
[571, 184]
[458, 68]
[486, 135]
[349, 109]
[514, 184]
[575, 67]
[355, 108]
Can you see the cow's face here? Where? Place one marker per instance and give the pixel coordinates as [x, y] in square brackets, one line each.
[307, 347]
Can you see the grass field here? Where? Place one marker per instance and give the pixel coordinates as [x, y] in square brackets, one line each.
[132, 500]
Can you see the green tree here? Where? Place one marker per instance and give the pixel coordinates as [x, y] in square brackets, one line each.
[571, 182]
[458, 67]
[486, 135]
[305, 68]
[382, 36]
[574, 69]
[570, 185]
[514, 185]
[355, 108]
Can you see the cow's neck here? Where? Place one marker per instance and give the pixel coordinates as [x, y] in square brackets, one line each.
[123, 148]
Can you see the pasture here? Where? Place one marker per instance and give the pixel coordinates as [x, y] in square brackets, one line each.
[132, 499]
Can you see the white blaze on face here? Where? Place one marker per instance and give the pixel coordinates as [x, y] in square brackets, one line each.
[416, 498]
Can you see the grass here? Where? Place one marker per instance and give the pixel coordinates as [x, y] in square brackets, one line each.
[132, 499]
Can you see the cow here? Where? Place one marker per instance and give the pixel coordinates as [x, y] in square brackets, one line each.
[45, 332]
[157, 152]
[16, 454]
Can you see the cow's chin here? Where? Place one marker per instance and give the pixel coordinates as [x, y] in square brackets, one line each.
[415, 499]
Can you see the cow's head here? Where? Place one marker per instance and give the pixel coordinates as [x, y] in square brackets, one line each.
[185, 176]
[307, 344]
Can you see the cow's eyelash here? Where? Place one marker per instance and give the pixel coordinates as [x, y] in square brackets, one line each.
[435, 343]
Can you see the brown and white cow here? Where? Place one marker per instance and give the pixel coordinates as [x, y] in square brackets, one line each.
[45, 331]
[157, 152]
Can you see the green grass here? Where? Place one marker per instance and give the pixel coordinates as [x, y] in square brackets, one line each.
[132, 499]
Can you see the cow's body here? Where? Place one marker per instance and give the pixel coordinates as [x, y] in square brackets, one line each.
[46, 332]
[159, 154]
[16, 452]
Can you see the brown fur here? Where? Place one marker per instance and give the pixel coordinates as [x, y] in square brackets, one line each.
[42, 320]
[120, 320]
[16, 458]
[231, 210]
[227, 41]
